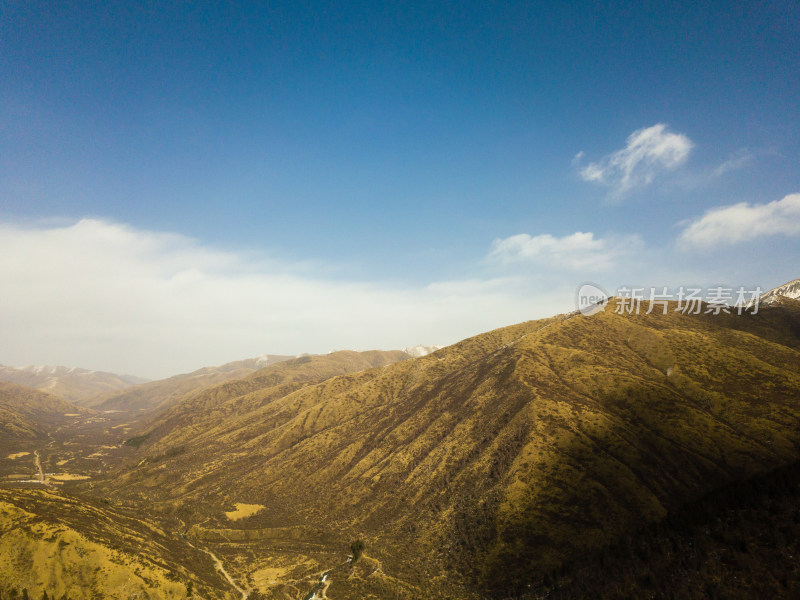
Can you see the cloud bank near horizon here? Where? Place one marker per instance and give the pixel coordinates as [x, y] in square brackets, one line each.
[106, 296]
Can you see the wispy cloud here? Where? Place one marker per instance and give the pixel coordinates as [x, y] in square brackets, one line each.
[107, 296]
[743, 222]
[738, 160]
[577, 251]
[647, 153]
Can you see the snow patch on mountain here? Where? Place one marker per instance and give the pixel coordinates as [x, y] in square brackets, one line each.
[787, 290]
[417, 351]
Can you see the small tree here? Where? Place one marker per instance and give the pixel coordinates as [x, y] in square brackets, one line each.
[189, 588]
[356, 548]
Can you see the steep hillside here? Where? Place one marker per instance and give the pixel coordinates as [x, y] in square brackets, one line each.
[200, 418]
[52, 543]
[484, 466]
[157, 395]
[739, 542]
[28, 414]
[72, 384]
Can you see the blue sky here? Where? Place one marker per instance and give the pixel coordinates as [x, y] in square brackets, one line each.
[378, 153]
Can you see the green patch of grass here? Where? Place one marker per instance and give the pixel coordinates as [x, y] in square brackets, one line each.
[137, 441]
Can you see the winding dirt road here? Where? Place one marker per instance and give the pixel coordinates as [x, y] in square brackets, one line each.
[320, 589]
[38, 462]
[221, 568]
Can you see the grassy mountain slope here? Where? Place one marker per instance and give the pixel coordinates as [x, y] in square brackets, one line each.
[160, 394]
[486, 465]
[202, 419]
[52, 543]
[27, 413]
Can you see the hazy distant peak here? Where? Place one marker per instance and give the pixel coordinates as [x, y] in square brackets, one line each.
[269, 359]
[71, 383]
[58, 371]
[421, 350]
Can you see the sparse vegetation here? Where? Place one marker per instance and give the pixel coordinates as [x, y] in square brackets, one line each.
[171, 453]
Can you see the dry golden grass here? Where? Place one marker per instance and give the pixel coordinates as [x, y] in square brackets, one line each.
[243, 511]
[55, 543]
[68, 477]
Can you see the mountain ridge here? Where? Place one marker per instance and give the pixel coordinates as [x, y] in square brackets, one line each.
[157, 395]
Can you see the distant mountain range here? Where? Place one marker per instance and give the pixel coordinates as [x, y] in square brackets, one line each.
[156, 395]
[70, 383]
[109, 391]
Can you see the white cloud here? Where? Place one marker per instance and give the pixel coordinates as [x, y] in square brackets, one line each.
[648, 152]
[743, 222]
[577, 251]
[107, 296]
